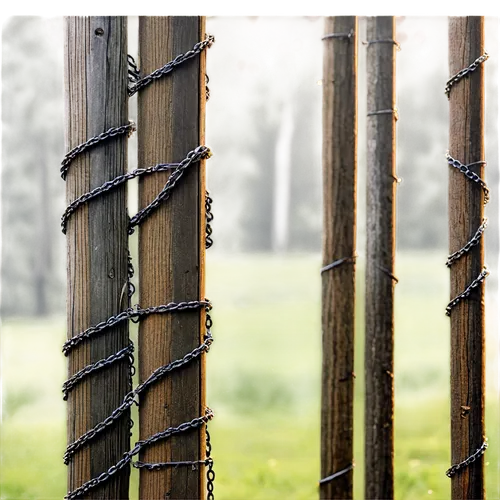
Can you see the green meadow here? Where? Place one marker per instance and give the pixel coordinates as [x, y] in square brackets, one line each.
[264, 372]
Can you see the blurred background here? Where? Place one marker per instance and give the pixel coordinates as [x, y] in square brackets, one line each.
[264, 370]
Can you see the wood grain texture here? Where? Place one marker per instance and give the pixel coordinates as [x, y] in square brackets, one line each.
[466, 208]
[380, 250]
[97, 243]
[339, 241]
[170, 253]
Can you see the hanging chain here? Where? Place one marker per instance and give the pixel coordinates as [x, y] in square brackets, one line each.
[209, 216]
[210, 467]
[136, 313]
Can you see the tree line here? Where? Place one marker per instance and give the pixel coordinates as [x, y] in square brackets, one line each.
[242, 175]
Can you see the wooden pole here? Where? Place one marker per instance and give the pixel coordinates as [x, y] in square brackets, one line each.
[380, 249]
[465, 212]
[96, 100]
[171, 253]
[339, 242]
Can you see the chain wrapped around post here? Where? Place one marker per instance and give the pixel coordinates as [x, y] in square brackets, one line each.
[137, 313]
[474, 240]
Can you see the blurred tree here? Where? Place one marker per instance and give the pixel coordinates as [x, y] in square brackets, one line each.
[257, 218]
[32, 191]
[422, 137]
[306, 193]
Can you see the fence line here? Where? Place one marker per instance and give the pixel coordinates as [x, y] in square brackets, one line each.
[174, 447]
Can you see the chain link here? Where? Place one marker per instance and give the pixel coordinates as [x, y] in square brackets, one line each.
[475, 283]
[210, 469]
[167, 68]
[107, 186]
[470, 174]
[129, 313]
[472, 242]
[112, 132]
[478, 453]
[209, 217]
[464, 72]
[93, 367]
[198, 154]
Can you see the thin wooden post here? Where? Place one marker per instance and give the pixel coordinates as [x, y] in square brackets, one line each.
[380, 250]
[465, 212]
[339, 246]
[171, 253]
[96, 100]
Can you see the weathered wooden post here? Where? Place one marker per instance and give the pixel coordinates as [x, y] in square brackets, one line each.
[467, 195]
[171, 114]
[339, 247]
[97, 245]
[380, 250]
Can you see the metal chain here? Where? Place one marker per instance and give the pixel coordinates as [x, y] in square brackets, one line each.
[470, 174]
[479, 452]
[161, 465]
[207, 90]
[209, 217]
[472, 242]
[455, 256]
[464, 72]
[198, 154]
[112, 132]
[167, 68]
[128, 456]
[475, 283]
[130, 398]
[210, 469]
[93, 367]
[135, 314]
[107, 186]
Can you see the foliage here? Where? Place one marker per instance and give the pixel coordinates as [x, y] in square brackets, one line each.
[32, 192]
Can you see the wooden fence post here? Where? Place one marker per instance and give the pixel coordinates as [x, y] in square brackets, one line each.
[465, 211]
[380, 250]
[339, 247]
[97, 245]
[171, 253]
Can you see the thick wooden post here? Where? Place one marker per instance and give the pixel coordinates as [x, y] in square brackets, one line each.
[339, 246]
[466, 208]
[96, 100]
[171, 253]
[380, 249]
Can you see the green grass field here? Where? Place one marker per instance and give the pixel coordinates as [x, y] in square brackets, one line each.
[264, 373]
